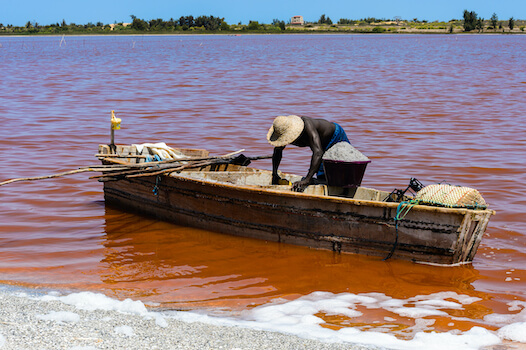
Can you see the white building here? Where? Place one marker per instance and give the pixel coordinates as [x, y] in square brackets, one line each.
[297, 20]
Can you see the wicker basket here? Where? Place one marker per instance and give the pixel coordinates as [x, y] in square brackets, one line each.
[451, 196]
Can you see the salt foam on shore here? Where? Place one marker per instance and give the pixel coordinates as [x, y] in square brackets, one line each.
[298, 317]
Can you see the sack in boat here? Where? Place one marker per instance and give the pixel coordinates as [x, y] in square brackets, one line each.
[451, 196]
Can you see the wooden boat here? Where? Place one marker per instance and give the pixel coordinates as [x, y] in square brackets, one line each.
[240, 200]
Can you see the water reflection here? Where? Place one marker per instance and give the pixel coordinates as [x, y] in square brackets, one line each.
[183, 267]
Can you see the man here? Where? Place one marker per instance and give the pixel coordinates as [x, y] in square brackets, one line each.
[318, 134]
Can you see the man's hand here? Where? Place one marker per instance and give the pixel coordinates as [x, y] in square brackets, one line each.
[300, 186]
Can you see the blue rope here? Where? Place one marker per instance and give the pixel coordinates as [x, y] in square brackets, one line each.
[156, 187]
[155, 158]
[401, 211]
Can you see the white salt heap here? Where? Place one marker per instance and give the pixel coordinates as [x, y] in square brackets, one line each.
[344, 151]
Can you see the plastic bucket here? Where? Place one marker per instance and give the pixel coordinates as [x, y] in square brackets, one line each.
[344, 174]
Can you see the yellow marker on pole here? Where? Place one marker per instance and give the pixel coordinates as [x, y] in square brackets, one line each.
[115, 125]
[115, 122]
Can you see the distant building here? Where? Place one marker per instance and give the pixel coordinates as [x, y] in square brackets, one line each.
[112, 25]
[297, 20]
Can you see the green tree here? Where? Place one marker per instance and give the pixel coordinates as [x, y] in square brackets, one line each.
[325, 20]
[186, 21]
[277, 23]
[494, 20]
[157, 24]
[346, 21]
[138, 24]
[470, 20]
[511, 23]
[480, 24]
[209, 22]
[253, 25]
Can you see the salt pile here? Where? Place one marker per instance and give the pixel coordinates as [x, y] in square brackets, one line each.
[344, 151]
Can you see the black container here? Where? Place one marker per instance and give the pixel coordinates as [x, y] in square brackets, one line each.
[344, 174]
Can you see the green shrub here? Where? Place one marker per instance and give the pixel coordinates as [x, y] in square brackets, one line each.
[254, 25]
[378, 30]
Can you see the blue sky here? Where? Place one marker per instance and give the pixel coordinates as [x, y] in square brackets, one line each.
[18, 12]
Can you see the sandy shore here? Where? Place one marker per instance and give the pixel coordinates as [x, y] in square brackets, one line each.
[29, 322]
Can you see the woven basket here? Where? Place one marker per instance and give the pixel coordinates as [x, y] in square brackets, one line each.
[451, 196]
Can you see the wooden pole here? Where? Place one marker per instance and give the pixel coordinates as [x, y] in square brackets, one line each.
[120, 168]
[83, 170]
[157, 168]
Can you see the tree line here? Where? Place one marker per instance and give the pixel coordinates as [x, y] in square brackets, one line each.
[471, 22]
[209, 23]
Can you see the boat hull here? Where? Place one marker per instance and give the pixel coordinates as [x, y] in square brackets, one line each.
[426, 234]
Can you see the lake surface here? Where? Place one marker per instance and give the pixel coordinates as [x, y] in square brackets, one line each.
[441, 108]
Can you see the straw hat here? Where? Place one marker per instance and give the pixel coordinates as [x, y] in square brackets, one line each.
[285, 130]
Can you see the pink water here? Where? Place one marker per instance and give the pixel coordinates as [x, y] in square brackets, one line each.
[439, 108]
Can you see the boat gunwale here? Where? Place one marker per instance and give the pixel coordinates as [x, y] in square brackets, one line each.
[343, 200]
[374, 203]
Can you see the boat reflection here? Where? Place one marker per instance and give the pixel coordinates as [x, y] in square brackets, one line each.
[187, 268]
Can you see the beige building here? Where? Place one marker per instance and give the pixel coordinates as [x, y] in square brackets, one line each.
[112, 25]
[298, 20]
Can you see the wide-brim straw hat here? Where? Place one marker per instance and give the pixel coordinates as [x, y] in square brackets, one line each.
[285, 130]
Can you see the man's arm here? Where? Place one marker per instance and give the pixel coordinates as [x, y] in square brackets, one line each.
[314, 142]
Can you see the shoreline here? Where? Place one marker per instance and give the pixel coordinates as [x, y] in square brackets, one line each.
[306, 32]
[248, 34]
[31, 321]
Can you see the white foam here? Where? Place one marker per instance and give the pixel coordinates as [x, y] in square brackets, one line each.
[160, 320]
[94, 301]
[516, 305]
[416, 312]
[301, 317]
[514, 332]
[2, 340]
[60, 317]
[124, 330]
[272, 316]
[505, 319]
